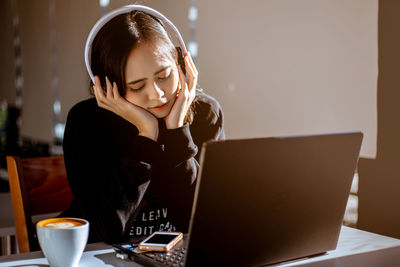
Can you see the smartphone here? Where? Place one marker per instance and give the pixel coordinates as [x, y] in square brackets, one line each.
[160, 241]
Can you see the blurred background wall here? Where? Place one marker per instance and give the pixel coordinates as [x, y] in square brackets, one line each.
[278, 67]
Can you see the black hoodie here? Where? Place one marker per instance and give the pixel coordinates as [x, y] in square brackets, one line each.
[128, 186]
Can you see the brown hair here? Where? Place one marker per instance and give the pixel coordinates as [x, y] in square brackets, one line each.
[116, 39]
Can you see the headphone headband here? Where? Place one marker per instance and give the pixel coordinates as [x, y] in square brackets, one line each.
[126, 9]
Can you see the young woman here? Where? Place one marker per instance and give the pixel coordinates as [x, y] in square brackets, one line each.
[131, 153]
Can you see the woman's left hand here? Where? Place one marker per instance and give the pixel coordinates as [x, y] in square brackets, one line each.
[185, 95]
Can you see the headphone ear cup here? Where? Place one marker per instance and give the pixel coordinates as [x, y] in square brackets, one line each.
[181, 59]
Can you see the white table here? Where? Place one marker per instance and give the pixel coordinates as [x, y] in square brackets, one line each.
[355, 248]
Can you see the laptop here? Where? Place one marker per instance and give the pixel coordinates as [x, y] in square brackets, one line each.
[268, 200]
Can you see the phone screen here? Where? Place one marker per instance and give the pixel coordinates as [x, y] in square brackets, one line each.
[129, 247]
[161, 239]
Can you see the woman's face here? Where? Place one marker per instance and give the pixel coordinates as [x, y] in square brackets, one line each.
[152, 79]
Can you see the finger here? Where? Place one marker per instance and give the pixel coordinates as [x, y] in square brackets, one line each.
[189, 92]
[110, 93]
[181, 95]
[115, 90]
[191, 63]
[97, 94]
[182, 79]
[180, 89]
[96, 82]
[189, 69]
[98, 90]
[191, 77]
[190, 66]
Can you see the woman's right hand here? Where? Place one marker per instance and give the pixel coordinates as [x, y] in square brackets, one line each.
[146, 122]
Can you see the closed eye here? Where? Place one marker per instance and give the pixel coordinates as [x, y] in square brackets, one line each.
[136, 89]
[137, 86]
[164, 75]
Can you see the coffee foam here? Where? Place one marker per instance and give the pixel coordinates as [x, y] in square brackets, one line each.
[61, 223]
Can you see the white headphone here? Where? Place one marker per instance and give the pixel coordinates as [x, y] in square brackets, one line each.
[126, 9]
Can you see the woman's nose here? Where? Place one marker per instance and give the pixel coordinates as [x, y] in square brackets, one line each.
[155, 92]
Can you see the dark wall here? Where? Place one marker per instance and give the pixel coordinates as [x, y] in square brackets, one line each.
[7, 67]
[379, 185]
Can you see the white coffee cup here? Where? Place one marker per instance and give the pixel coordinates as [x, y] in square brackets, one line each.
[63, 240]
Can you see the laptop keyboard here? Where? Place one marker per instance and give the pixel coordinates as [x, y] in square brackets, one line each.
[175, 257]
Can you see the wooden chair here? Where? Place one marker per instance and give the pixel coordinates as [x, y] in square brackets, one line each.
[38, 186]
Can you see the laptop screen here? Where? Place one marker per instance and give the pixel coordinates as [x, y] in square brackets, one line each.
[269, 200]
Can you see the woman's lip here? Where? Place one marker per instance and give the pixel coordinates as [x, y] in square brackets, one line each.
[160, 107]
